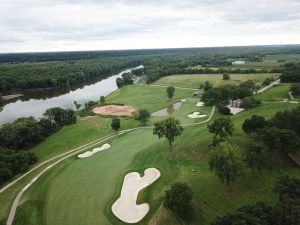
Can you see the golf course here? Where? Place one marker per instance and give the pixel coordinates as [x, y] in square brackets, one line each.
[82, 191]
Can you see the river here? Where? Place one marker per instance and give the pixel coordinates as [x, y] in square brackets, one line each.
[35, 103]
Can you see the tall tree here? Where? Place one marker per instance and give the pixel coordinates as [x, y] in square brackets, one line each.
[170, 91]
[168, 128]
[222, 128]
[143, 116]
[102, 99]
[254, 123]
[77, 105]
[116, 124]
[226, 162]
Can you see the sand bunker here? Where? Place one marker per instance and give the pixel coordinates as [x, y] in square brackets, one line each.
[294, 102]
[125, 208]
[196, 115]
[115, 110]
[183, 100]
[200, 104]
[95, 150]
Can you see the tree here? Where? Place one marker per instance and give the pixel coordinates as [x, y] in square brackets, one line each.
[226, 76]
[178, 199]
[143, 116]
[102, 99]
[77, 105]
[295, 89]
[115, 124]
[254, 123]
[250, 102]
[224, 109]
[226, 162]
[168, 128]
[120, 82]
[257, 214]
[256, 156]
[170, 91]
[207, 86]
[222, 128]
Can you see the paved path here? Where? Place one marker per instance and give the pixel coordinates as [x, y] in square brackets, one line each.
[291, 95]
[267, 87]
[67, 155]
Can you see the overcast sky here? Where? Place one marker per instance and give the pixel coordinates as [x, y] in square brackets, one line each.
[69, 25]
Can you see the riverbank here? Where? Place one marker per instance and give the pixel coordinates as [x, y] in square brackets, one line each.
[10, 97]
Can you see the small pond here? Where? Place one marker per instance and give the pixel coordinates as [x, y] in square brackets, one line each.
[167, 111]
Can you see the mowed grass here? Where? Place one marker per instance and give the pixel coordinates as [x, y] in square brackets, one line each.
[186, 108]
[275, 93]
[82, 191]
[84, 131]
[146, 97]
[79, 191]
[194, 80]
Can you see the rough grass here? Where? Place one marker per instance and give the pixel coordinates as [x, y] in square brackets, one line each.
[194, 80]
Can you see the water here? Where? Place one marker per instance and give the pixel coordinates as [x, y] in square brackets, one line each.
[35, 103]
[166, 111]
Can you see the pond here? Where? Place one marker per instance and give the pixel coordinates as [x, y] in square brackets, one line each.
[167, 111]
[34, 103]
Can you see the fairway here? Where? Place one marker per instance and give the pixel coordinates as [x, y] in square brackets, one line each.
[146, 96]
[83, 190]
[194, 80]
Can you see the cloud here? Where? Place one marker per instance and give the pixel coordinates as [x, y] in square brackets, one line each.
[53, 25]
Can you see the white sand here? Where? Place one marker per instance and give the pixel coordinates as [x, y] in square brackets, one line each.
[95, 150]
[200, 104]
[196, 115]
[235, 110]
[183, 100]
[294, 102]
[125, 208]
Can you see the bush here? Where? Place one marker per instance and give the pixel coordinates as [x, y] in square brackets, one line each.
[295, 89]
[250, 102]
[226, 76]
[178, 199]
[224, 109]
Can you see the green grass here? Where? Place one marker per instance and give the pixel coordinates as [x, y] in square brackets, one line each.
[85, 130]
[186, 108]
[145, 96]
[81, 191]
[275, 94]
[194, 80]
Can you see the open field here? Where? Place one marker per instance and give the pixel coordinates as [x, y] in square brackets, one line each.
[194, 80]
[147, 97]
[275, 94]
[287, 57]
[81, 191]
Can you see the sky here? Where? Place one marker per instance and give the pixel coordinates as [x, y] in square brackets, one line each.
[71, 25]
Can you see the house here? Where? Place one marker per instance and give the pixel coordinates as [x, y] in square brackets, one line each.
[235, 103]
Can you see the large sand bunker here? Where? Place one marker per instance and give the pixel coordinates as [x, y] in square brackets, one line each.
[95, 150]
[125, 208]
[196, 115]
[115, 110]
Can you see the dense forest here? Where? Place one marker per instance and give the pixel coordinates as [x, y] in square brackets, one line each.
[51, 70]
[17, 137]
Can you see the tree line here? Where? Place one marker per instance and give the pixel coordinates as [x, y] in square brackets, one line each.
[24, 133]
